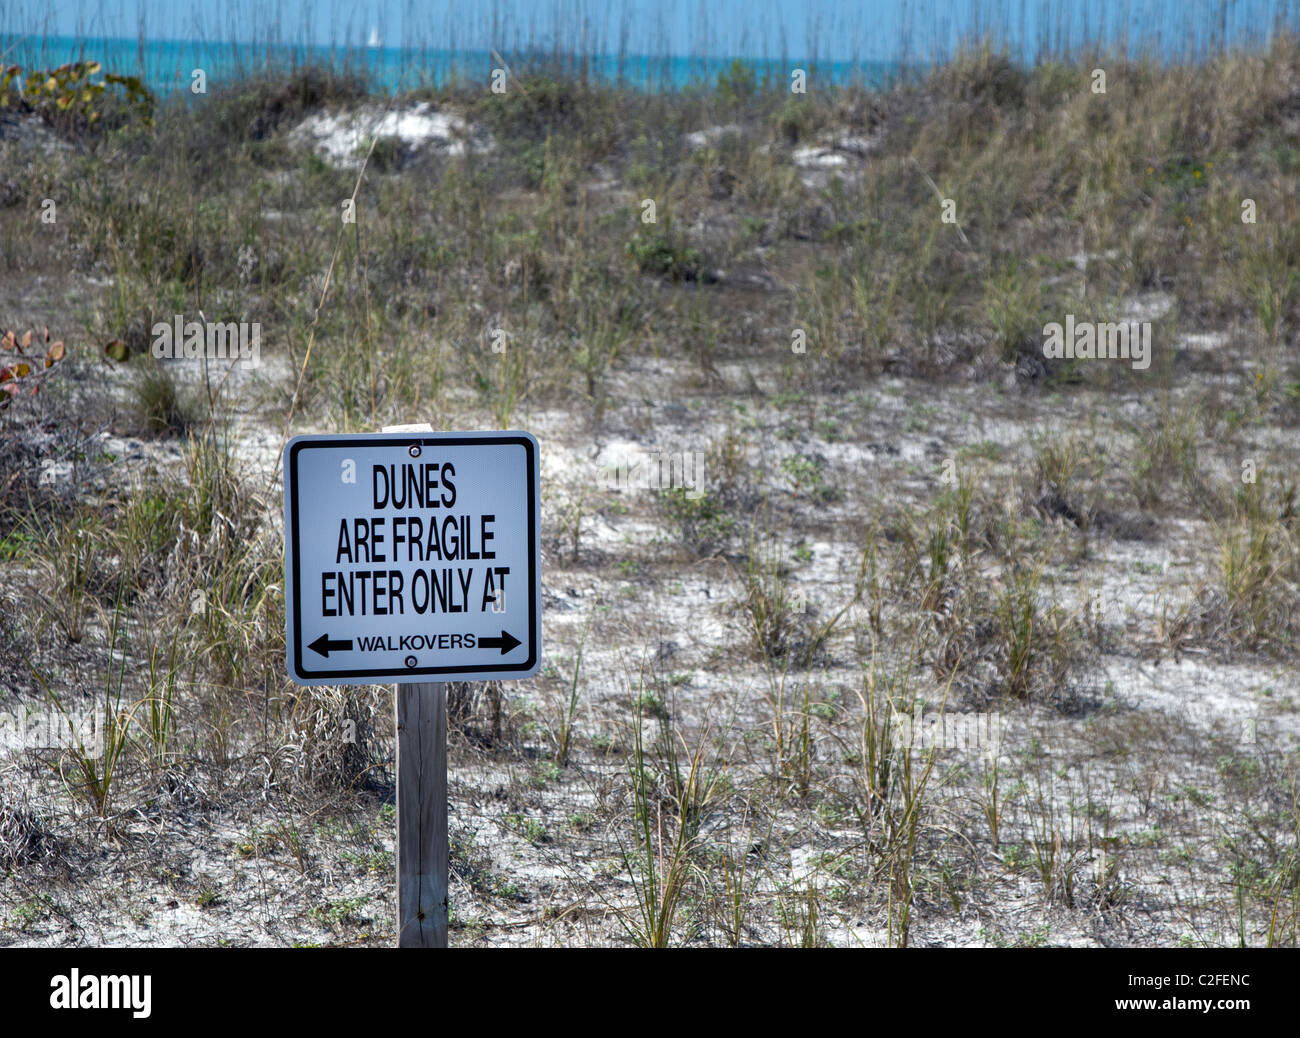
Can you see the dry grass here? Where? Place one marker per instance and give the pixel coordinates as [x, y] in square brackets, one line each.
[829, 579]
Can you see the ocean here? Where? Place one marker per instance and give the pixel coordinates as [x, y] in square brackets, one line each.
[166, 66]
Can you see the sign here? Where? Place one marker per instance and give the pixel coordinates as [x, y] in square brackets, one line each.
[412, 557]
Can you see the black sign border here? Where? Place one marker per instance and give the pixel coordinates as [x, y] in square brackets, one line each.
[400, 440]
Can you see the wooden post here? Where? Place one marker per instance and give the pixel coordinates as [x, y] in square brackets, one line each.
[421, 804]
[422, 815]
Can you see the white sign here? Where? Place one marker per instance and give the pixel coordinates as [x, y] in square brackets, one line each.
[412, 557]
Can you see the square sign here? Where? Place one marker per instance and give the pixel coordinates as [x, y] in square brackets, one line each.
[412, 557]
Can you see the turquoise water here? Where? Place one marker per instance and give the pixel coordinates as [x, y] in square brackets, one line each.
[167, 65]
[911, 30]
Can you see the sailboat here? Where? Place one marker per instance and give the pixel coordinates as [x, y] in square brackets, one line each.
[375, 39]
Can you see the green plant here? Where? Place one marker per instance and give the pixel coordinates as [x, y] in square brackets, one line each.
[740, 881]
[701, 519]
[877, 307]
[959, 501]
[502, 379]
[659, 865]
[530, 829]
[15, 544]
[1168, 448]
[159, 403]
[1025, 634]
[343, 912]
[160, 710]
[993, 801]
[1272, 292]
[1013, 305]
[800, 911]
[772, 606]
[663, 254]
[804, 474]
[290, 837]
[737, 83]
[1052, 840]
[69, 96]
[564, 735]
[1287, 872]
[95, 766]
[74, 562]
[890, 782]
[1258, 568]
[24, 916]
[571, 518]
[938, 547]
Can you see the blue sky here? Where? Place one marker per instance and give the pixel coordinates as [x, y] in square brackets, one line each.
[828, 29]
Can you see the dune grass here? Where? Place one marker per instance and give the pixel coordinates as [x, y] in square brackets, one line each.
[798, 260]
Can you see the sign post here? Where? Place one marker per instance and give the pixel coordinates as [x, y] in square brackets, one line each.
[422, 815]
[413, 557]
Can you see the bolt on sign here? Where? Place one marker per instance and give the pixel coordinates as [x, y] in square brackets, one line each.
[412, 557]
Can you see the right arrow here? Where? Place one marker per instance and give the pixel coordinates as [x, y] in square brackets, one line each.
[507, 641]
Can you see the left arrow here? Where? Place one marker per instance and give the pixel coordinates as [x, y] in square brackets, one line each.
[325, 645]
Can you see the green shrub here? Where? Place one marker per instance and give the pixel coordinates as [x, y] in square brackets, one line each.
[662, 254]
[70, 98]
